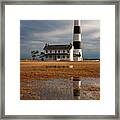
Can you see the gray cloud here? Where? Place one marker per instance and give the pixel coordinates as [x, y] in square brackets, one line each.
[35, 33]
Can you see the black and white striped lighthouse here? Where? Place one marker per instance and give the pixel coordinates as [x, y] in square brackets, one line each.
[77, 51]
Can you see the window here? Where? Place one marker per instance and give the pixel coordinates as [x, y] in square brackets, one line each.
[46, 56]
[55, 51]
[67, 56]
[67, 51]
[63, 51]
[46, 51]
[50, 51]
[50, 56]
[58, 51]
[58, 56]
[63, 56]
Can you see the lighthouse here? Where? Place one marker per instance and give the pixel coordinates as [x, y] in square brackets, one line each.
[77, 50]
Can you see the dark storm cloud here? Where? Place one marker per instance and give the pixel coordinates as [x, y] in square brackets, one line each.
[35, 33]
[91, 38]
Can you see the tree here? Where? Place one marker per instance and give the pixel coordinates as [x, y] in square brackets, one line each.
[34, 54]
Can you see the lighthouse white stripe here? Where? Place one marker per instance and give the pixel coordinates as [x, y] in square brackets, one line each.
[77, 37]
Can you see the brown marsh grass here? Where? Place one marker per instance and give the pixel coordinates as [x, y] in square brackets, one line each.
[43, 70]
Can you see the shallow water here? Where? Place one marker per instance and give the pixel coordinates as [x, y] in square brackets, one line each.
[61, 89]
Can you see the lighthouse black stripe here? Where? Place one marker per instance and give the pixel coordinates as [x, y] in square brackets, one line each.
[77, 44]
[76, 22]
[76, 29]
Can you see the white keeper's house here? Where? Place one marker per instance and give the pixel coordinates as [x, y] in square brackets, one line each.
[58, 52]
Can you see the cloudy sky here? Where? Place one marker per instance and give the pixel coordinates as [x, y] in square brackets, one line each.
[35, 33]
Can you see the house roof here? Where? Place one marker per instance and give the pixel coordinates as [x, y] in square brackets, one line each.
[56, 54]
[57, 47]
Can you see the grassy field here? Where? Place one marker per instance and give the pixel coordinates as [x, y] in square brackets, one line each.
[52, 80]
[44, 70]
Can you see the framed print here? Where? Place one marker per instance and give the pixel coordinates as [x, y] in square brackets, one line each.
[59, 59]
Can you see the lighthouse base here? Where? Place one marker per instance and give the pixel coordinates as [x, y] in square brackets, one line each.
[77, 55]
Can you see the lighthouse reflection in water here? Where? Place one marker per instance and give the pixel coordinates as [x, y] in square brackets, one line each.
[74, 88]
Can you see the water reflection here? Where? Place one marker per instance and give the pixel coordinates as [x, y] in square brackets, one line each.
[74, 88]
